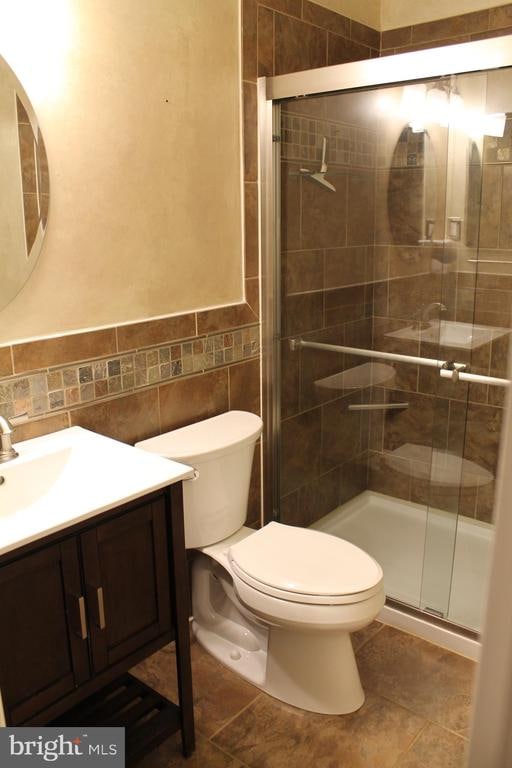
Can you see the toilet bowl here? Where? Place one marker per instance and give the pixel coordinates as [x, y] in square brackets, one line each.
[277, 604]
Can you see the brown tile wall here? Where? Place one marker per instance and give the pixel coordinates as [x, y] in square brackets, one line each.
[464, 28]
[327, 279]
[281, 36]
[136, 381]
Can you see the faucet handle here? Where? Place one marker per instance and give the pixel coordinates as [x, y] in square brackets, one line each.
[6, 428]
[7, 452]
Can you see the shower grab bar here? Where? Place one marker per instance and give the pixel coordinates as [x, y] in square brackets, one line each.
[430, 362]
[447, 368]
[474, 378]
[378, 406]
[488, 261]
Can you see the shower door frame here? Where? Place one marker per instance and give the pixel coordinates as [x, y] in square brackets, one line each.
[452, 60]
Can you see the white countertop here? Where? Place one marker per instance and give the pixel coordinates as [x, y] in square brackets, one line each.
[66, 477]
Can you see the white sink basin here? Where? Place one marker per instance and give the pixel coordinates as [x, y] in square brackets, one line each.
[449, 333]
[68, 476]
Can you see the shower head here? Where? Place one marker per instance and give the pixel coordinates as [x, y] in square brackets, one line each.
[319, 176]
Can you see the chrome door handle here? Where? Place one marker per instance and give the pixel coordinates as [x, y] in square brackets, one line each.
[3, 721]
[101, 607]
[83, 619]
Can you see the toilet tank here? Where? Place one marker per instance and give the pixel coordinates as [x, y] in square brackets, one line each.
[221, 450]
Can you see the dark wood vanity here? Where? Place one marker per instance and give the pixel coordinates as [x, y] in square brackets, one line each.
[80, 607]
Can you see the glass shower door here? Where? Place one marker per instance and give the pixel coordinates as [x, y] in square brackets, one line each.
[380, 273]
[459, 528]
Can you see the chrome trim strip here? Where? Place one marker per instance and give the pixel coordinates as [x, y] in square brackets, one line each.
[270, 217]
[400, 68]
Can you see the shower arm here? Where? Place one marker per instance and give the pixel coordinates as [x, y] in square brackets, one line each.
[448, 369]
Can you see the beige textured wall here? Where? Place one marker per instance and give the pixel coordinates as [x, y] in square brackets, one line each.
[140, 110]
[402, 13]
[367, 12]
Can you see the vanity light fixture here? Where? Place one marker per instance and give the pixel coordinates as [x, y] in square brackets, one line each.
[442, 104]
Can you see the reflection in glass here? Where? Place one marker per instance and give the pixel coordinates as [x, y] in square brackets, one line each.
[24, 199]
[408, 253]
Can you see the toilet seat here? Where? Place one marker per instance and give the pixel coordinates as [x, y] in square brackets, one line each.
[305, 566]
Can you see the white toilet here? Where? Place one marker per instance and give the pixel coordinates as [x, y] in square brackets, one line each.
[276, 604]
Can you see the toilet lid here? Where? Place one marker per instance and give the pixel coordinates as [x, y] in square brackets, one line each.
[206, 439]
[299, 561]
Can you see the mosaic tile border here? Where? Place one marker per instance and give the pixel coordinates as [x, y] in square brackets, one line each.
[302, 138]
[63, 387]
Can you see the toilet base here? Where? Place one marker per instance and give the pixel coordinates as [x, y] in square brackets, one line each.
[330, 686]
[249, 664]
[316, 671]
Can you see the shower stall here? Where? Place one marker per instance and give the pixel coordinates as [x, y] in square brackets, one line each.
[387, 271]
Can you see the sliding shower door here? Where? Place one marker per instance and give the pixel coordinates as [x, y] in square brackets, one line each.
[469, 414]
[390, 201]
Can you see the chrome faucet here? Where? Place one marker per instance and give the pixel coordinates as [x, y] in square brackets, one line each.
[426, 312]
[7, 452]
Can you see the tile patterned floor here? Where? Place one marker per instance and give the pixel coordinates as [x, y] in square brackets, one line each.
[415, 714]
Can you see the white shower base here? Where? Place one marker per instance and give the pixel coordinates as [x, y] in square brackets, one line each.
[430, 558]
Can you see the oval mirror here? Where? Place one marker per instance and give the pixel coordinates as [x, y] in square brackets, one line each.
[25, 192]
[407, 201]
[474, 186]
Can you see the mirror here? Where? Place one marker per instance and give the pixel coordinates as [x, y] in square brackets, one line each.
[418, 195]
[416, 190]
[474, 187]
[24, 197]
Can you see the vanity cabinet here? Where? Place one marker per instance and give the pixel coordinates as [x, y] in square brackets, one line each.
[78, 610]
[43, 654]
[126, 583]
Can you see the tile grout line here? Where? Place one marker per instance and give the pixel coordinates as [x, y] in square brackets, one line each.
[228, 754]
[234, 717]
[369, 639]
[413, 741]
[407, 708]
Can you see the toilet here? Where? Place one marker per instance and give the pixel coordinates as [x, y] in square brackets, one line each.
[277, 604]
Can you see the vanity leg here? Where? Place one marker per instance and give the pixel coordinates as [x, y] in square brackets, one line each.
[180, 608]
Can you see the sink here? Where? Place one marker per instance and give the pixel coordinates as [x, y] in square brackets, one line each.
[66, 477]
[449, 333]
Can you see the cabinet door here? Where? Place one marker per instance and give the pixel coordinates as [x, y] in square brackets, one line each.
[126, 572]
[43, 635]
